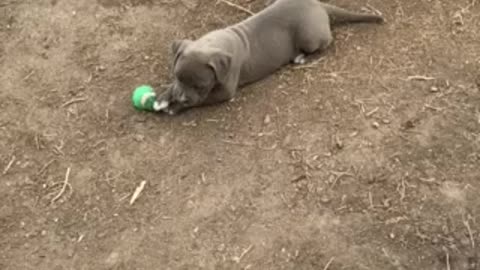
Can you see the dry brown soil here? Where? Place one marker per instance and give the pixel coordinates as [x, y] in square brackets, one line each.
[365, 158]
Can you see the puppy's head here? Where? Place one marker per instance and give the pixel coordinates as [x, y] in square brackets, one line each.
[197, 70]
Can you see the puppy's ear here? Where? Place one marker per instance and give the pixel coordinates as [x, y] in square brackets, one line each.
[178, 46]
[221, 64]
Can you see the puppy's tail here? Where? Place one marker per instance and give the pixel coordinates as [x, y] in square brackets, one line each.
[340, 16]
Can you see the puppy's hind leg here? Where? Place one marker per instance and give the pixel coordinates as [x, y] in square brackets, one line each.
[299, 59]
[314, 34]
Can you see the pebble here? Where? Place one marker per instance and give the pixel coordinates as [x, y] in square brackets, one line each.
[267, 119]
[325, 199]
[139, 138]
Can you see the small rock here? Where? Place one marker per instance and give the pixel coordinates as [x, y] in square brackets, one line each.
[192, 123]
[325, 199]
[267, 119]
[375, 124]
[409, 124]
[338, 143]
[113, 259]
[386, 203]
[287, 140]
[70, 253]
[434, 89]
[139, 138]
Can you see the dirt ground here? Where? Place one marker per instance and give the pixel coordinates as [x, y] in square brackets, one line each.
[367, 157]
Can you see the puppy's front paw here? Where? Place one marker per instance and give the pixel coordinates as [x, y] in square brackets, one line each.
[163, 101]
[175, 108]
[159, 106]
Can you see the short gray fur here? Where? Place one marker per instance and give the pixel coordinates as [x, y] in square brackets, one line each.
[210, 69]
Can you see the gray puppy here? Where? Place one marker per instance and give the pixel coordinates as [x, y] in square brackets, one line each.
[210, 69]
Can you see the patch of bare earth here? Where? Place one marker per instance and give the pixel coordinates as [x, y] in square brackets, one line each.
[365, 158]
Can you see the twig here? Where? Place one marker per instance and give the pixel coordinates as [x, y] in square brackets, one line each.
[37, 142]
[370, 113]
[299, 178]
[329, 263]
[370, 199]
[282, 196]
[42, 170]
[238, 143]
[312, 64]
[29, 75]
[137, 192]
[212, 120]
[429, 180]
[9, 165]
[244, 252]
[90, 77]
[123, 197]
[394, 261]
[447, 259]
[72, 101]
[126, 59]
[467, 225]
[338, 176]
[246, 10]
[375, 10]
[80, 238]
[269, 148]
[420, 78]
[57, 149]
[65, 183]
[428, 106]
[402, 189]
